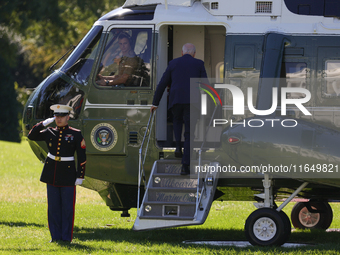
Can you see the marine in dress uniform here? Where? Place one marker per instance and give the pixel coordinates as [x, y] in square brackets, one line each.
[60, 172]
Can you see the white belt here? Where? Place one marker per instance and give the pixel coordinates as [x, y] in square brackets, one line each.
[56, 158]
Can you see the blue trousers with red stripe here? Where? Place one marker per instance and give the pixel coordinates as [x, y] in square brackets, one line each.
[61, 203]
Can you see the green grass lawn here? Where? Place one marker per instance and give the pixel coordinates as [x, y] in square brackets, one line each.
[98, 230]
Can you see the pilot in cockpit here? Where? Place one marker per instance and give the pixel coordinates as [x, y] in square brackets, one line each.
[122, 68]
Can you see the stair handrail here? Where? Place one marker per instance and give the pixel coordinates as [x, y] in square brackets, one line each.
[141, 160]
[199, 198]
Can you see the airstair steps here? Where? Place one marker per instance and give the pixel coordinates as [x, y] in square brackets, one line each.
[159, 196]
[169, 166]
[165, 189]
[173, 181]
[171, 199]
[167, 218]
[171, 203]
[169, 211]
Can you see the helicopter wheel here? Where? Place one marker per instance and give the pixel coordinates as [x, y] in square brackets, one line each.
[304, 219]
[286, 221]
[266, 226]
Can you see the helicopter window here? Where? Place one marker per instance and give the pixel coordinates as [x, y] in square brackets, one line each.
[331, 84]
[296, 75]
[58, 91]
[79, 64]
[126, 60]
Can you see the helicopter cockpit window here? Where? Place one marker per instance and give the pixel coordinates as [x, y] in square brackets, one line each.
[79, 65]
[58, 91]
[126, 60]
[331, 83]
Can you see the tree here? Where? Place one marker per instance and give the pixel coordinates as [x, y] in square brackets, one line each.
[33, 35]
[8, 104]
[16, 16]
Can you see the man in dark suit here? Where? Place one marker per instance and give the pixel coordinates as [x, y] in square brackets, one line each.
[178, 75]
[60, 172]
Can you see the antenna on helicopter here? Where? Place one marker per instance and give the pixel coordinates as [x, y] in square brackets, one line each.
[71, 48]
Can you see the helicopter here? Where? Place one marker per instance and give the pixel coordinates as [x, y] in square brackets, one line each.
[269, 127]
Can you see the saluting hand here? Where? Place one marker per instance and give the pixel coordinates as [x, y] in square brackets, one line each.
[48, 121]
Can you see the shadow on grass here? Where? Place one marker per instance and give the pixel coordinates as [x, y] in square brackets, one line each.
[319, 240]
[174, 235]
[73, 245]
[21, 224]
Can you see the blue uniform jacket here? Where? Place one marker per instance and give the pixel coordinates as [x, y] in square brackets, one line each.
[177, 75]
[61, 142]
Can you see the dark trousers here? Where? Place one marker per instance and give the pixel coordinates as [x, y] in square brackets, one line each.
[61, 202]
[181, 114]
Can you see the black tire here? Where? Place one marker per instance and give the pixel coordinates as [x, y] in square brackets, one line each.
[266, 227]
[303, 219]
[288, 226]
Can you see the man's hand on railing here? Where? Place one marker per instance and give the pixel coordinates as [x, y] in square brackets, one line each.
[153, 108]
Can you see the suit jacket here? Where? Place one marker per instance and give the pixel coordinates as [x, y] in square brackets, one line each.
[177, 75]
[61, 142]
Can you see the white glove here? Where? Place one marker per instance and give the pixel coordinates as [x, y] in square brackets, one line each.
[79, 181]
[48, 121]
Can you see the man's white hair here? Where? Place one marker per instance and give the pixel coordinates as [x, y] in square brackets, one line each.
[189, 48]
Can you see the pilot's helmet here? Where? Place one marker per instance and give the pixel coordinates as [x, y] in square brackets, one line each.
[60, 110]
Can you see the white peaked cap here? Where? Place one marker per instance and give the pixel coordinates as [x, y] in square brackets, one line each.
[61, 108]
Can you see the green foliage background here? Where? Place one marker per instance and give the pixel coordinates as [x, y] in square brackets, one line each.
[33, 35]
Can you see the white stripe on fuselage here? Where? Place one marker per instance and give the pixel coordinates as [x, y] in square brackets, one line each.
[88, 105]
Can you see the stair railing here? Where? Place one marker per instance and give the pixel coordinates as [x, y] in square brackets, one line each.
[141, 172]
[198, 196]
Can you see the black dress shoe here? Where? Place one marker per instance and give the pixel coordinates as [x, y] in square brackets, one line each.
[185, 170]
[178, 153]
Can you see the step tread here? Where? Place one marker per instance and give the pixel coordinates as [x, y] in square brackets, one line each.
[173, 189]
[177, 175]
[167, 217]
[169, 161]
[169, 203]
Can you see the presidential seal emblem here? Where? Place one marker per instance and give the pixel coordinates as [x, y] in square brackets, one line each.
[104, 137]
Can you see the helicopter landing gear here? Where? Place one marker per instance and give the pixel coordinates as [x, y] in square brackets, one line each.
[266, 226]
[312, 215]
[269, 225]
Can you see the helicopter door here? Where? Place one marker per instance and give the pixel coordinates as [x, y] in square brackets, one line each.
[210, 46]
[119, 99]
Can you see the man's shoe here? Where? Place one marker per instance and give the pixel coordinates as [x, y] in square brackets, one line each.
[178, 153]
[185, 170]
